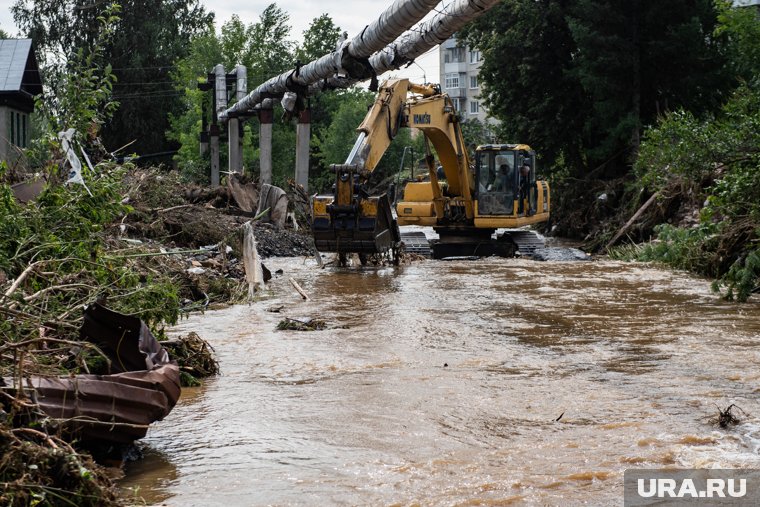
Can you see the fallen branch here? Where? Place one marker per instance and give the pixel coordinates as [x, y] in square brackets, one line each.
[36, 319]
[298, 288]
[164, 210]
[59, 287]
[46, 438]
[631, 221]
[20, 279]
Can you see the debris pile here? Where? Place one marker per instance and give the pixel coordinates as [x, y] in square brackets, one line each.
[302, 324]
[41, 469]
[195, 356]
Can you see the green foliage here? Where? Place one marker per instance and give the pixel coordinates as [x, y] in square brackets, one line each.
[65, 232]
[333, 144]
[742, 278]
[64, 224]
[320, 39]
[525, 80]
[579, 80]
[680, 145]
[686, 249]
[82, 96]
[722, 151]
[742, 31]
[144, 42]
[475, 133]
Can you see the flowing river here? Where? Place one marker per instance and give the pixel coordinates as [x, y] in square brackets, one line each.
[442, 383]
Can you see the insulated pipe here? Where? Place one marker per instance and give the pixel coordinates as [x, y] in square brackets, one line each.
[417, 42]
[429, 34]
[234, 134]
[220, 91]
[349, 58]
[241, 86]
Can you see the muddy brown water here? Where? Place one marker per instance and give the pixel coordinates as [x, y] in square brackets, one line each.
[439, 383]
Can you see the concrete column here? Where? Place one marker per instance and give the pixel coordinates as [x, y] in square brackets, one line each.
[203, 147]
[214, 147]
[303, 136]
[235, 154]
[266, 118]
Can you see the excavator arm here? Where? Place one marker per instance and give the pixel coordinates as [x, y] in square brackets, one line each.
[351, 221]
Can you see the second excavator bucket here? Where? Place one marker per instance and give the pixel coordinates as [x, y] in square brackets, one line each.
[365, 226]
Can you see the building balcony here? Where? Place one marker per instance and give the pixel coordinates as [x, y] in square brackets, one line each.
[457, 93]
[455, 67]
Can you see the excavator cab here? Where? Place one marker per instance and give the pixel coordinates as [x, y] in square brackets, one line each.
[506, 179]
[508, 194]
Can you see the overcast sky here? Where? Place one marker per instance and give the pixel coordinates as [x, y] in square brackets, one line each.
[350, 15]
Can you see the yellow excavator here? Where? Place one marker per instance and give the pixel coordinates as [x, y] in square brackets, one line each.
[465, 207]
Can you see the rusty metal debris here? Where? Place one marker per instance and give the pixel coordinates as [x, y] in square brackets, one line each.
[142, 387]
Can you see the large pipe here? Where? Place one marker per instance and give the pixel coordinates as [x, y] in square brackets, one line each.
[417, 42]
[429, 34]
[220, 90]
[350, 58]
[234, 134]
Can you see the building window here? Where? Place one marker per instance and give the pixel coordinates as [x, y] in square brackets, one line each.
[475, 56]
[474, 107]
[454, 55]
[452, 81]
[18, 129]
[473, 81]
[458, 105]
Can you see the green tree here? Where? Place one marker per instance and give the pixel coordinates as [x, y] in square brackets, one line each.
[319, 39]
[150, 36]
[636, 60]
[270, 51]
[335, 142]
[579, 79]
[83, 98]
[741, 29]
[717, 159]
[527, 48]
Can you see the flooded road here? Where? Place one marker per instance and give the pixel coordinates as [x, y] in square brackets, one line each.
[440, 383]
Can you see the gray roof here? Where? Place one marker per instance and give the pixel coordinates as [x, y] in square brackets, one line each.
[14, 56]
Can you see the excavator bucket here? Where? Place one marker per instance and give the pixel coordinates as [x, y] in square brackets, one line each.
[365, 226]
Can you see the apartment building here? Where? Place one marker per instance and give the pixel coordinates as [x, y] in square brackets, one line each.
[459, 79]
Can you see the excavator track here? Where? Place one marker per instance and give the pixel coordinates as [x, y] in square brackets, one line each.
[416, 242]
[527, 241]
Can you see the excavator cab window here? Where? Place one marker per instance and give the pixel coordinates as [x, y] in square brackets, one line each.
[497, 181]
[526, 182]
